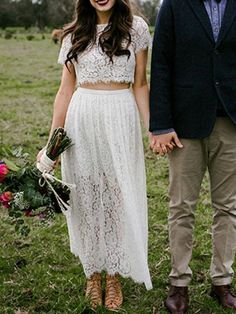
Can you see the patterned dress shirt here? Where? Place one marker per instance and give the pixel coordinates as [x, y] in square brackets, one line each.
[215, 10]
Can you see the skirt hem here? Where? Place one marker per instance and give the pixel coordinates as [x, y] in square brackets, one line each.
[148, 283]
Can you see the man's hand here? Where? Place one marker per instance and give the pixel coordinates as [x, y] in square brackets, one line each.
[165, 143]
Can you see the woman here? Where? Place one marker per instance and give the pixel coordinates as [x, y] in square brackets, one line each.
[104, 51]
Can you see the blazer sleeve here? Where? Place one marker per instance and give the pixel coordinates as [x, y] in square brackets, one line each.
[162, 69]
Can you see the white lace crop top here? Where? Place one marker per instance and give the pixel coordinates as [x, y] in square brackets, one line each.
[94, 66]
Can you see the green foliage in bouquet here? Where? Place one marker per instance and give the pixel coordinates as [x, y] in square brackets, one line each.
[21, 188]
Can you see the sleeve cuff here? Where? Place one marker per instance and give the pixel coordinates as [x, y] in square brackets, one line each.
[165, 131]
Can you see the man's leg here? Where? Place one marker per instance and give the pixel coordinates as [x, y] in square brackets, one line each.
[222, 169]
[187, 168]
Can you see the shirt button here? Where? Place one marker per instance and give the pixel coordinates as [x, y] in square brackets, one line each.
[216, 51]
[215, 8]
[217, 83]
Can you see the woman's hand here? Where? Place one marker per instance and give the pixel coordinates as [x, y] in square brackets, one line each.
[40, 154]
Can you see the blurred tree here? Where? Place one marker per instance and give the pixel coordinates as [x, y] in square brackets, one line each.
[24, 13]
[41, 13]
[7, 15]
[149, 8]
[60, 12]
[55, 14]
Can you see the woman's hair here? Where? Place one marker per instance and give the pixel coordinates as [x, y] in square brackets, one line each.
[83, 30]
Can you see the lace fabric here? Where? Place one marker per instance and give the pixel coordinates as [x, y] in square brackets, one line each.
[107, 223]
[94, 66]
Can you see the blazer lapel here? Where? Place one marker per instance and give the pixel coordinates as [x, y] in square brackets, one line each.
[229, 16]
[199, 10]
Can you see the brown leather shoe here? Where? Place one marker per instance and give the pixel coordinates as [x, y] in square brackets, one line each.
[177, 300]
[224, 295]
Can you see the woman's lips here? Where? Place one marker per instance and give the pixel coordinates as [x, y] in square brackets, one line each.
[102, 2]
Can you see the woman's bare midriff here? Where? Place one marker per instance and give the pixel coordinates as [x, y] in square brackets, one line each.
[106, 86]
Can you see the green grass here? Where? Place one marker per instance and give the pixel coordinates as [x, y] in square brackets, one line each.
[39, 274]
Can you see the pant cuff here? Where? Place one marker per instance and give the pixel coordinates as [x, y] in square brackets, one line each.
[222, 281]
[180, 282]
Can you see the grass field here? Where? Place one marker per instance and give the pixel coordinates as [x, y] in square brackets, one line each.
[39, 274]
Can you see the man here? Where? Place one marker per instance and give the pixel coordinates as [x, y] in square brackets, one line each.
[193, 117]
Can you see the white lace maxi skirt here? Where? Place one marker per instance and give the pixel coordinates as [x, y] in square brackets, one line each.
[107, 225]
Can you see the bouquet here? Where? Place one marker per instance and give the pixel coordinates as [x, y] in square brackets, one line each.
[58, 143]
[28, 190]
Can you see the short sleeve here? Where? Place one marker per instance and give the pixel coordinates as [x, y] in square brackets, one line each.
[65, 48]
[142, 38]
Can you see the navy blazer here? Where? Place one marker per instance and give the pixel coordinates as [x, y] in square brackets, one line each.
[190, 72]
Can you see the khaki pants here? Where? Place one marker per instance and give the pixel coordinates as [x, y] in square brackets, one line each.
[217, 153]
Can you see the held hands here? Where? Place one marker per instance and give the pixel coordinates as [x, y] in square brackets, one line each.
[164, 143]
